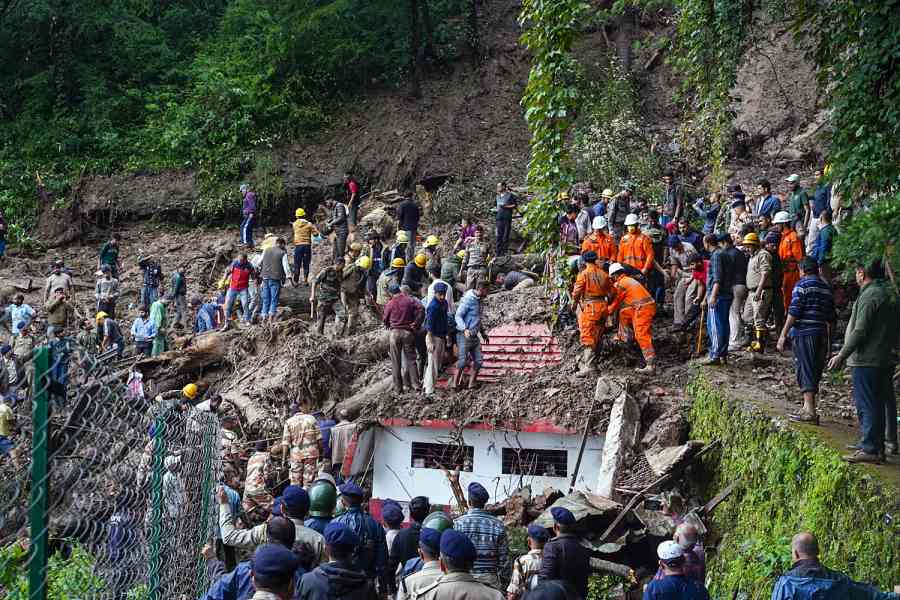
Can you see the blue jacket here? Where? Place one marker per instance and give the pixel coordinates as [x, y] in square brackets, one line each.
[468, 313]
[436, 318]
[238, 585]
[808, 579]
[335, 580]
[675, 587]
[371, 554]
[318, 523]
[769, 206]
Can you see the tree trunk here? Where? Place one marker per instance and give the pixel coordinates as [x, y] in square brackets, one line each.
[474, 43]
[624, 34]
[415, 63]
[429, 30]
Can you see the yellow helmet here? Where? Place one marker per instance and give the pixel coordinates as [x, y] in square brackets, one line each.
[190, 391]
[222, 283]
[299, 213]
[421, 260]
[101, 315]
[398, 263]
[751, 239]
[364, 262]
[432, 240]
[562, 195]
[356, 247]
[461, 254]
[402, 237]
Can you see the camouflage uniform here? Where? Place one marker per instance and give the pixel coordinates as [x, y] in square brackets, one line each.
[353, 289]
[304, 438]
[328, 298]
[256, 491]
[525, 570]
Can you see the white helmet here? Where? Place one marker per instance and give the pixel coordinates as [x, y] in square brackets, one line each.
[615, 268]
[782, 217]
[599, 222]
[631, 219]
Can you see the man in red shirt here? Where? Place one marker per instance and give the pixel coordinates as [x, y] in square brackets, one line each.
[403, 315]
[352, 200]
[239, 273]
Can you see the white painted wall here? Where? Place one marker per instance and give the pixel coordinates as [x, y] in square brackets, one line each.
[392, 463]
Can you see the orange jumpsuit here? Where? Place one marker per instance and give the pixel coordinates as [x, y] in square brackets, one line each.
[636, 316]
[592, 287]
[636, 249]
[601, 243]
[791, 252]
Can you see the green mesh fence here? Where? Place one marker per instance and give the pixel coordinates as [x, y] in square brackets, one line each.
[104, 494]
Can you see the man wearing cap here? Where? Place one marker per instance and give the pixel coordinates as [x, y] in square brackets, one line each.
[790, 250]
[406, 544]
[58, 279]
[675, 584]
[459, 582]
[339, 578]
[403, 316]
[527, 568]
[488, 533]
[564, 557]
[303, 233]
[635, 248]
[392, 515]
[636, 315]
[600, 241]
[274, 567]
[428, 549]
[322, 501]
[741, 218]
[759, 290]
[809, 318]
[591, 293]
[303, 439]
[681, 256]
[370, 554]
[294, 505]
[507, 202]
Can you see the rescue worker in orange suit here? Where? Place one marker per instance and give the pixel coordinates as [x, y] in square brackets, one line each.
[791, 252]
[592, 292]
[600, 241]
[636, 314]
[635, 248]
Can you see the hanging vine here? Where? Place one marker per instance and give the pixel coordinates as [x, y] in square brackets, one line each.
[550, 101]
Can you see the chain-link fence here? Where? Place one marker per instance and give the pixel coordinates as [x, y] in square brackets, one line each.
[104, 493]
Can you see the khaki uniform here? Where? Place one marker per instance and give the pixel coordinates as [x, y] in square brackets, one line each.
[524, 569]
[457, 586]
[759, 267]
[415, 583]
[256, 492]
[303, 437]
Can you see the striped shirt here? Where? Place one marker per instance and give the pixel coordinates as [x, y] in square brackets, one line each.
[488, 534]
[812, 306]
[721, 271]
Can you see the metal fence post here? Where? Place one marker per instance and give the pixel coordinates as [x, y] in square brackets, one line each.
[210, 447]
[40, 482]
[156, 506]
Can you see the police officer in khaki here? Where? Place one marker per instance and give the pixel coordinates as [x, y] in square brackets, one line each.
[429, 552]
[457, 583]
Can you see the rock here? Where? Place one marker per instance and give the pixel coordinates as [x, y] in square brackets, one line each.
[670, 429]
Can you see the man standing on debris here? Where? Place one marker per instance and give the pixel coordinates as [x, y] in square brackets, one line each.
[178, 292]
[459, 561]
[59, 311]
[869, 344]
[681, 257]
[636, 315]
[353, 291]
[491, 562]
[591, 293]
[809, 318]
[474, 260]
[325, 296]
[437, 329]
[408, 215]
[403, 316]
[303, 440]
[673, 200]
[390, 277]
[353, 200]
[451, 268]
[142, 332]
[675, 583]
[790, 250]
[759, 291]
[370, 554]
[821, 202]
[337, 223]
[16, 313]
[152, 280]
[160, 319]
[415, 276]
[106, 291]
[58, 279]
[260, 472]
[507, 203]
[303, 232]
[248, 209]
[719, 284]
[739, 260]
[468, 328]
[238, 275]
[636, 249]
[527, 568]
[564, 557]
[600, 241]
[207, 316]
[617, 210]
[109, 255]
[273, 277]
[111, 336]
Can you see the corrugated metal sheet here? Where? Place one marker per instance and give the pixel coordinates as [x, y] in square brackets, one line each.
[515, 349]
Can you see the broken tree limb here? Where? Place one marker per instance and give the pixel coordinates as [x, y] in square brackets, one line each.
[604, 566]
[453, 478]
[354, 403]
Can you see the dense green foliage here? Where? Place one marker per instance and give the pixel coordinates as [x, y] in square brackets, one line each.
[551, 99]
[96, 87]
[67, 578]
[789, 482]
